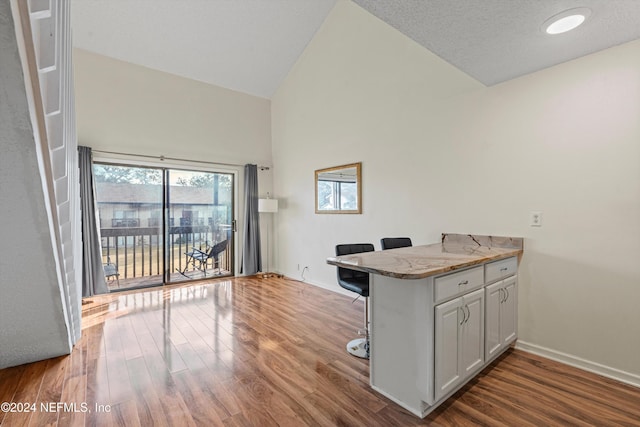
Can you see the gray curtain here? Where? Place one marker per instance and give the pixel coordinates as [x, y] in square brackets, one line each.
[93, 280]
[251, 256]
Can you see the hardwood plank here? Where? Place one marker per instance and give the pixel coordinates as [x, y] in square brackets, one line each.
[97, 382]
[282, 369]
[125, 413]
[117, 374]
[252, 419]
[361, 397]
[129, 340]
[75, 383]
[51, 392]
[101, 419]
[9, 380]
[224, 393]
[175, 409]
[74, 391]
[210, 389]
[335, 412]
[260, 405]
[578, 384]
[561, 398]
[148, 405]
[261, 352]
[191, 358]
[27, 389]
[198, 402]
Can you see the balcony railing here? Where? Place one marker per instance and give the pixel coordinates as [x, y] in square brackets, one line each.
[138, 251]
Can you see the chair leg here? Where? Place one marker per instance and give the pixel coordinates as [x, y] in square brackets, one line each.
[359, 347]
[188, 259]
[366, 323]
[203, 267]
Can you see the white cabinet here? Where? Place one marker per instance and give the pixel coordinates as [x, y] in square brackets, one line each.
[459, 340]
[431, 335]
[501, 315]
[473, 333]
[499, 269]
[454, 284]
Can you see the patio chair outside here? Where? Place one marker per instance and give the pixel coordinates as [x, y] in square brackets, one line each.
[111, 272]
[200, 259]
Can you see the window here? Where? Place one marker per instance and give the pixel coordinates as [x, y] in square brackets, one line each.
[125, 218]
[153, 217]
[336, 195]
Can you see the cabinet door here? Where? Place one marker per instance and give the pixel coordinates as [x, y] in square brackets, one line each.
[448, 317]
[494, 294]
[509, 311]
[472, 334]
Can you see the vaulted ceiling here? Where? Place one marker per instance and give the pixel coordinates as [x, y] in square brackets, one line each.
[250, 45]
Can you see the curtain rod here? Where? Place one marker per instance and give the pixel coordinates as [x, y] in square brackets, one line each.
[163, 158]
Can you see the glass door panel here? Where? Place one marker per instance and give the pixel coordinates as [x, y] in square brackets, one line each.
[130, 201]
[199, 225]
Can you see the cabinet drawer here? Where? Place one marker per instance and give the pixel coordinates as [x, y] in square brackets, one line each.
[457, 283]
[499, 269]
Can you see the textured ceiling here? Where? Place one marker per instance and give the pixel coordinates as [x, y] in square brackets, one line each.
[250, 45]
[497, 40]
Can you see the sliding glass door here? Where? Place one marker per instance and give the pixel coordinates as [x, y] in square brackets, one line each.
[200, 208]
[163, 225]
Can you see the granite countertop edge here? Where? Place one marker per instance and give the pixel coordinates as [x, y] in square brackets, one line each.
[455, 252]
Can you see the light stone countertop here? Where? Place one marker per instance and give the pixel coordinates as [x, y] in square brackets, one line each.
[456, 251]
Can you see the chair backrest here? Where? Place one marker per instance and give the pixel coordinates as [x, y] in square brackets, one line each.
[395, 242]
[348, 249]
[217, 249]
[110, 269]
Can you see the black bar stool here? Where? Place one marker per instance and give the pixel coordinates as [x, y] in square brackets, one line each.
[358, 282]
[395, 242]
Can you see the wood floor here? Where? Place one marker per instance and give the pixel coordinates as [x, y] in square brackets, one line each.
[156, 280]
[263, 352]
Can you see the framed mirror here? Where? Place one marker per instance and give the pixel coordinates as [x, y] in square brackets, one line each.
[339, 189]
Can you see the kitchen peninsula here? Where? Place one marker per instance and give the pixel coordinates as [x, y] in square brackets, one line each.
[438, 314]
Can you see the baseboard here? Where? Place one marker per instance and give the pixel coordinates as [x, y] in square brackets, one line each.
[568, 359]
[336, 289]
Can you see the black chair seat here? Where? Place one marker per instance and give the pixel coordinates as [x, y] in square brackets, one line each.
[359, 285]
[352, 280]
[395, 242]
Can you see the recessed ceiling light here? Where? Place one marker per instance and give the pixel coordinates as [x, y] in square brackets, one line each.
[566, 21]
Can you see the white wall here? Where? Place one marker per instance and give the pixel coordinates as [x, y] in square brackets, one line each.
[441, 153]
[127, 108]
[32, 322]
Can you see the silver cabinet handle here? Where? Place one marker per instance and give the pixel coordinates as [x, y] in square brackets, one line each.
[504, 268]
[466, 315]
[501, 296]
[505, 295]
[466, 282]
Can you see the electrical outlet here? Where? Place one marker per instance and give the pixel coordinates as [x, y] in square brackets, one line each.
[535, 219]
